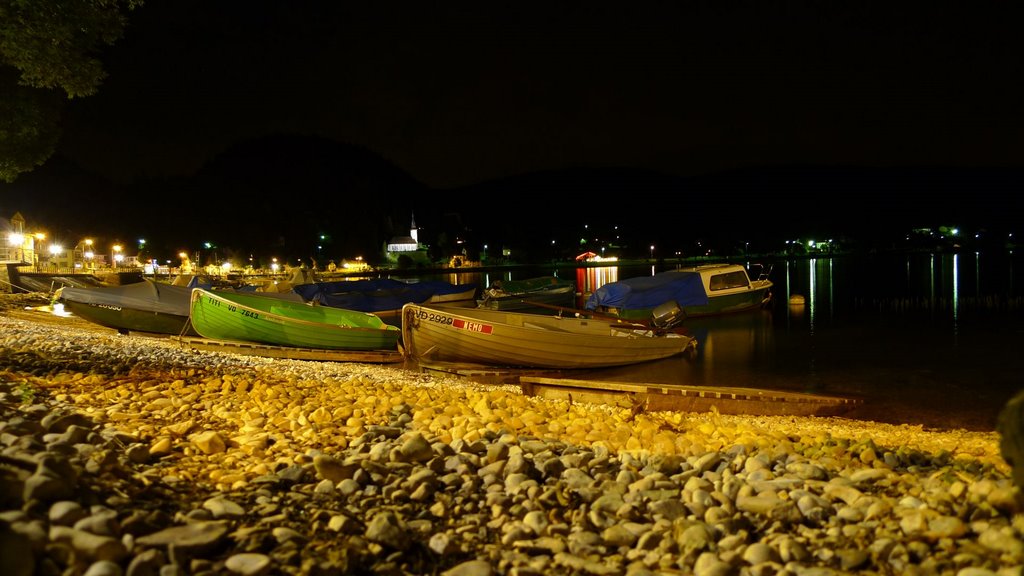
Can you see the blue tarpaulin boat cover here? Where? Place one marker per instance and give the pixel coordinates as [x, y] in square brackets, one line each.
[374, 295]
[686, 288]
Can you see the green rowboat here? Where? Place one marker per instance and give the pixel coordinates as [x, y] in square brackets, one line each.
[246, 317]
[530, 295]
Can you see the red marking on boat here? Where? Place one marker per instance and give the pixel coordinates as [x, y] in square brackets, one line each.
[472, 326]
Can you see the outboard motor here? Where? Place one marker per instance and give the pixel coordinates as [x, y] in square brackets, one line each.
[667, 314]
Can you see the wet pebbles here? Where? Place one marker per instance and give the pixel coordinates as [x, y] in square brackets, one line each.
[133, 455]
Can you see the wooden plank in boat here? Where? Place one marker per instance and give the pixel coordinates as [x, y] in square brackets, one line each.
[285, 352]
[671, 397]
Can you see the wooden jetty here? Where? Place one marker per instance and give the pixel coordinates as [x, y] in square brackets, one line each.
[670, 397]
[650, 397]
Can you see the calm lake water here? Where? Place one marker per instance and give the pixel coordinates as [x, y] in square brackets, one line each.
[929, 339]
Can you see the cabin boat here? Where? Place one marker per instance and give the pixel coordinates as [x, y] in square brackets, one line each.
[668, 297]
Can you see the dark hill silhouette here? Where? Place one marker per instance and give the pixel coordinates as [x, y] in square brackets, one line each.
[528, 211]
[276, 195]
[59, 196]
[283, 192]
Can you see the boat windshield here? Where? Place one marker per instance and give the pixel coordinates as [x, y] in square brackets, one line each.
[728, 280]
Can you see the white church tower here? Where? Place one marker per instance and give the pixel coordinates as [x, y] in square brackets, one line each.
[413, 231]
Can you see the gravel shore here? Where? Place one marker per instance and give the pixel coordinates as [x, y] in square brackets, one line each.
[133, 455]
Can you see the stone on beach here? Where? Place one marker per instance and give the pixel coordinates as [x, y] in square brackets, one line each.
[134, 451]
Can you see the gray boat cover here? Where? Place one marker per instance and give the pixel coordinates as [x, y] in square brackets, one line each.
[148, 296]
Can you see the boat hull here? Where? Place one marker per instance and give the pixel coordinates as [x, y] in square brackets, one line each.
[146, 306]
[752, 299]
[561, 296]
[251, 318]
[466, 295]
[126, 320]
[476, 335]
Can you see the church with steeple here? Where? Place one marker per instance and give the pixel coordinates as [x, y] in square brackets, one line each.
[407, 246]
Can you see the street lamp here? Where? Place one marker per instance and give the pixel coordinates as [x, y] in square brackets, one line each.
[37, 244]
[88, 253]
[116, 255]
[16, 240]
[55, 249]
[652, 251]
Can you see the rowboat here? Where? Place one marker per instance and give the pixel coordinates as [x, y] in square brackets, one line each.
[147, 306]
[443, 333]
[668, 297]
[249, 317]
[383, 297]
[525, 295]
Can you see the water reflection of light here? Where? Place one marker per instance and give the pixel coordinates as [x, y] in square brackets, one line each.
[977, 273]
[487, 280]
[831, 290]
[461, 278]
[956, 291]
[931, 280]
[727, 342]
[591, 278]
[812, 282]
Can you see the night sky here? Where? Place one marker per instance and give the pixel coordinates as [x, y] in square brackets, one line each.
[457, 94]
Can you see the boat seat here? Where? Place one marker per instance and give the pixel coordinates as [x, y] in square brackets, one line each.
[544, 327]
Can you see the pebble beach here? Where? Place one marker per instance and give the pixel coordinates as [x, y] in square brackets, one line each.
[135, 455]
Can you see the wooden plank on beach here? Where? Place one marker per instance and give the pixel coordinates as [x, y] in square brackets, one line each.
[483, 373]
[289, 353]
[671, 397]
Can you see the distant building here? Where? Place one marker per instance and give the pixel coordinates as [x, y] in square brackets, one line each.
[403, 244]
[407, 247]
[408, 243]
[15, 244]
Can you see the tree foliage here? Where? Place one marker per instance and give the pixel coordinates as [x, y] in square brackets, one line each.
[49, 52]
